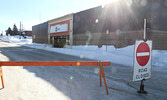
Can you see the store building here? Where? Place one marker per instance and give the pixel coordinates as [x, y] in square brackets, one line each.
[113, 24]
[60, 31]
[40, 33]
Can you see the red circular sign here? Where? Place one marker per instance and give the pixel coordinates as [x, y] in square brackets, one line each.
[143, 54]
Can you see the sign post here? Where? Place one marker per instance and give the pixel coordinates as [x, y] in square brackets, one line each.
[142, 60]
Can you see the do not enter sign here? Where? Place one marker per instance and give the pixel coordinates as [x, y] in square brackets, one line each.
[143, 54]
[142, 60]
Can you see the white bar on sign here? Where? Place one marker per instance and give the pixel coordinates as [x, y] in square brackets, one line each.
[143, 54]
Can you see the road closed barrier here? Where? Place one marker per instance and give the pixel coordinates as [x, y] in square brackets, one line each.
[58, 63]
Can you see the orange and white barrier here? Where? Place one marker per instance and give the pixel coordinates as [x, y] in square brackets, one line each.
[57, 63]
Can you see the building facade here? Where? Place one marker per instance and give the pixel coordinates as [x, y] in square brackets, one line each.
[118, 24]
[40, 33]
[60, 31]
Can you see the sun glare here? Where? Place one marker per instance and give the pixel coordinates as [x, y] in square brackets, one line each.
[104, 2]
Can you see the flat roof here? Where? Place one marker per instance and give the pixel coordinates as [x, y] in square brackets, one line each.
[60, 17]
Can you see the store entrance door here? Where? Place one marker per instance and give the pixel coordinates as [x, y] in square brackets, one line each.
[60, 41]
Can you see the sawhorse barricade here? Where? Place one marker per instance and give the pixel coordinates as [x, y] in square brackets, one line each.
[58, 63]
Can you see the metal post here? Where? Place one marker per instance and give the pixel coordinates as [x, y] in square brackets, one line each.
[106, 43]
[142, 84]
[107, 32]
[144, 30]
[142, 88]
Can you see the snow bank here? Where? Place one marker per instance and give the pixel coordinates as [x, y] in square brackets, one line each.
[123, 56]
[15, 39]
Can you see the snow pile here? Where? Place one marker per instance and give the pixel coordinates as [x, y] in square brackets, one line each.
[159, 60]
[15, 39]
[123, 56]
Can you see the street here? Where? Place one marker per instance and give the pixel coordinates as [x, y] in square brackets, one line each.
[71, 83]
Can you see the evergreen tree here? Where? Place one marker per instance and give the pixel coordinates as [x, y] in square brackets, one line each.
[15, 31]
[9, 31]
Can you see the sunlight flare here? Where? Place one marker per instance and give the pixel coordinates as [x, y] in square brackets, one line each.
[104, 2]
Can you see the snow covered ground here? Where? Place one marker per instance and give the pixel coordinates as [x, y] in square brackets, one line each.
[19, 82]
[122, 56]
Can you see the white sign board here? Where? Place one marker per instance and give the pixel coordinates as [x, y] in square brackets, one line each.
[142, 60]
[59, 28]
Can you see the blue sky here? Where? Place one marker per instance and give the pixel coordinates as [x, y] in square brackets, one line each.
[32, 12]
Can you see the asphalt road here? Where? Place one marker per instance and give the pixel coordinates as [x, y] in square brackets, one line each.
[71, 83]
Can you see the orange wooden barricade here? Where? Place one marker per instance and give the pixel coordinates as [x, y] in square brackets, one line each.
[58, 63]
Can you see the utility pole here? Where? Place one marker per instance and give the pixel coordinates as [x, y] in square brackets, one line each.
[20, 31]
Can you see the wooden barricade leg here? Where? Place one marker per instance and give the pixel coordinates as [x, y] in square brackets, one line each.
[103, 75]
[1, 74]
[100, 75]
